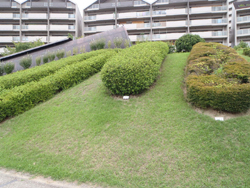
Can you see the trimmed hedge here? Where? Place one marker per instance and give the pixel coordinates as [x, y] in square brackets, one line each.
[134, 69]
[19, 99]
[34, 74]
[218, 77]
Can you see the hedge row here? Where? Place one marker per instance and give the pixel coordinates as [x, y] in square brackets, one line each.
[218, 77]
[246, 51]
[19, 99]
[135, 68]
[38, 72]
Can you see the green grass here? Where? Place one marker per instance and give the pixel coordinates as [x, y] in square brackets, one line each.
[154, 140]
[241, 53]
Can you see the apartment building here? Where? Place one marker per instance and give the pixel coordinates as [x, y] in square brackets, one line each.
[241, 22]
[49, 20]
[165, 20]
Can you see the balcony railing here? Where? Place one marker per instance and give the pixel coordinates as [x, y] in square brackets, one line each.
[16, 39]
[160, 12]
[71, 27]
[16, 15]
[94, 7]
[90, 29]
[15, 27]
[221, 8]
[243, 19]
[243, 32]
[142, 14]
[139, 3]
[162, 2]
[90, 17]
[219, 21]
[219, 33]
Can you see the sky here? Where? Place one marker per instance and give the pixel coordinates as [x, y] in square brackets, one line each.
[82, 4]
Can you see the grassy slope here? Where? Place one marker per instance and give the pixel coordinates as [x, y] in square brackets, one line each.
[156, 140]
[241, 53]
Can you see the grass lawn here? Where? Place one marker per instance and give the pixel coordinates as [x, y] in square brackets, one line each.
[155, 140]
[246, 57]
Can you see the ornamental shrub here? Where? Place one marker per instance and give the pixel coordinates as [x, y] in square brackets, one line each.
[246, 52]
[38, 60]
[60, 54]
[36, 73]
[1, 69]
[9, 67]
[97, 44]
[134, 69]
[118, 42]
[217, 77]
[20, 99]
[26, 62]
[187, 41]
[75, 50]
[46, 58]
[51, 56]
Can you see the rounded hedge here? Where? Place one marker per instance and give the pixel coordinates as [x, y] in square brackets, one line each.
[187, 41]
[134, 69]
[218, 77]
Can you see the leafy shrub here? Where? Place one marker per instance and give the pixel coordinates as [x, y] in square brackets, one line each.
[246, 51]
[186, 42]
[46, 58]
[38, 60]
[97, 44]
[75, 50]
[242, 44]
[134, 69]
[171, 47]
[51, 56]
[26, 62]
[1, 69]
[82, 49]
[22, 98]
[109, 44]
[68, 53]
[127, 43]
[36, 73]
[118, 42]
[9, 67]
[218, 77]
[60, 54]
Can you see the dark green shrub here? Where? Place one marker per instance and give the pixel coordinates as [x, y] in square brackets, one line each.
[134, 69]
[60, 54]
[51, 56]
[1, 69]
[9, 67]
[187, 41]
[218, 77]
[38, 60]
[97, 44]
[26, 62]
[171, 47]
[36, 73]
[118, 42]
[19, 99]
[246, 51]
[46, 58]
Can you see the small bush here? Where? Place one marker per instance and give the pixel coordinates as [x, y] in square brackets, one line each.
[38, 60]
[60, 54]
[51, 56]
[1, 69]
[246, 52]
[82, 49]
[9, 67]
[46, 58]
[26, 62]
[97, 44]
[127, 43]
[68, 53]
[118, 42]
[134, 69]
[186, 42]
[171, 47]
[75, 50]
[109, 44]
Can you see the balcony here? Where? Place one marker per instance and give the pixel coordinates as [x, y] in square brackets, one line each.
[61, 16]
[170, 12]
[34, 27]
[162, 2]
[31, 39]
[211, 34]
[243, 19]
[142, 14]
[140, 3]
[208, 22]
[174, 24]
[32, 16]
[5, 5]
[8, 16]
[57, 38]
[243, 32]
[99, 28]
[62, 27]
[203, 10]
[9, 39]
[94, 7]
[90, 18]
[6, 28]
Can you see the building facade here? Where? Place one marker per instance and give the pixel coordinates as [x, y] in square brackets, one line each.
[241, 23]
[165, 20]
[49, 20]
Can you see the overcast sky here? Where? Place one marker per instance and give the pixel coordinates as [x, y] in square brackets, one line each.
[84, 3]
